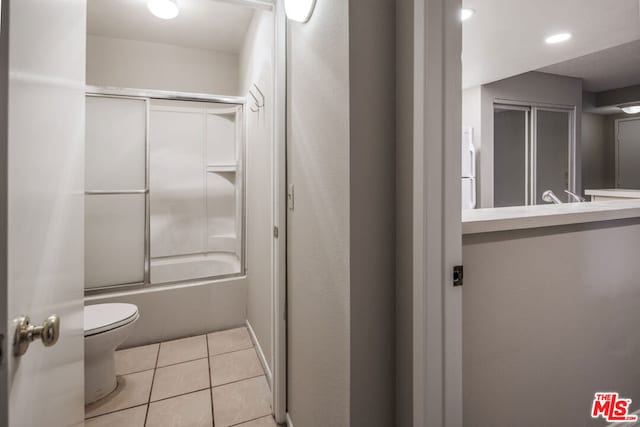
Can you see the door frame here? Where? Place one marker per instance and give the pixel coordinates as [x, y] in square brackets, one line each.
[279, 208]
[279, 185]
[617, 147]
[4, 144]
[437, 241]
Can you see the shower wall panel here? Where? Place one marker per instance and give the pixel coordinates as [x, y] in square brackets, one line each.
[176, 183]
[196, 191]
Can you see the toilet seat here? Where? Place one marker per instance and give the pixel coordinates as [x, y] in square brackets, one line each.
[101, 318]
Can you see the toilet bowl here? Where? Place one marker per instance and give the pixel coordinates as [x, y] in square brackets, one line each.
[106, 326]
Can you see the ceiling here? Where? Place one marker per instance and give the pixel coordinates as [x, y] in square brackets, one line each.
[506, 37]
[203, 24]
[607, 69]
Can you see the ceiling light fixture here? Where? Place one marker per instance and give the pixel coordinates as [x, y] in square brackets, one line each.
[631, 108]
[299, 10]
[558, 38]
[466, 14]
[164, 9]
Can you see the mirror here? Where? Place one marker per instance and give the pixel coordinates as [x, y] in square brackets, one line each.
[549, 119]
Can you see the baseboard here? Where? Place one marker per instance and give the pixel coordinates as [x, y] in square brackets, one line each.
[289, 422]
[263, 360]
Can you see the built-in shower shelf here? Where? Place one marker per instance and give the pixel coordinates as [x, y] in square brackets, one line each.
[222, 168]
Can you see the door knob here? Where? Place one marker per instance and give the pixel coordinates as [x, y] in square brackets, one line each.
[26, 333]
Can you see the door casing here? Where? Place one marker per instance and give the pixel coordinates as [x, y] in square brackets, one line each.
[437, 228]
[617, 147]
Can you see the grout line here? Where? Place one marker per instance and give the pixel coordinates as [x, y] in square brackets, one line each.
[210, 388]
[237, 381]
[155, 401]
[114, 411]
[181, 394]
[213, 417]
[136, 372]
[232, 351]
[253, 419]
[180, 363]
[209, 355]
[151, 388]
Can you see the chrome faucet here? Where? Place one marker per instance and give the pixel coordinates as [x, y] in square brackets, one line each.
[575, 197]
[550, 197]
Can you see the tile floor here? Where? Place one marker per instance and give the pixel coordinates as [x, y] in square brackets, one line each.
[214, 379]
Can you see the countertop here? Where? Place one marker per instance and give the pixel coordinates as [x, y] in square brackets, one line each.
[614, 192]
[476, 221]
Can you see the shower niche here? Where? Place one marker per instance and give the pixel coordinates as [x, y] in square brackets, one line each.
[164, 186]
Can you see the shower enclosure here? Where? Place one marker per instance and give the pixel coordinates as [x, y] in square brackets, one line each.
[164, 188]
[534, 151]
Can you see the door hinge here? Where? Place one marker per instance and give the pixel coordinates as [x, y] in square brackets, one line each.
[458, 275]
[275, 232]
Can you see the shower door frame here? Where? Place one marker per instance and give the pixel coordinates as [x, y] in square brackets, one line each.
[147, 95]
[93, 91]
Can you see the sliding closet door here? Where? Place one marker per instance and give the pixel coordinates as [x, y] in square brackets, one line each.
[115, 186]
[552, 145]
[510, 146]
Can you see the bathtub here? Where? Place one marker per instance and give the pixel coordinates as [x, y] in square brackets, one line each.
[192, 267]
[180, 310]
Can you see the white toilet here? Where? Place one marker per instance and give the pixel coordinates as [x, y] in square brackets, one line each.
[106, 326]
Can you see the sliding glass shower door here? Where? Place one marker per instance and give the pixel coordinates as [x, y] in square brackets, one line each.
[115, 192]
[533, 152]
[510, 147]
[164, 190]
[552, 147]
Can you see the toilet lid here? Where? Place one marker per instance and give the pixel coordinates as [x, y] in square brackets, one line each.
[105, 317]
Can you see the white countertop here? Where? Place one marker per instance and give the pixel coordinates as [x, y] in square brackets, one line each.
[614, 192]
[521, 217]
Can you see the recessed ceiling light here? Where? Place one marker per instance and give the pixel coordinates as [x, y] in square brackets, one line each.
[164, 9]
[466, 14]
[558, 38]
[631, 109]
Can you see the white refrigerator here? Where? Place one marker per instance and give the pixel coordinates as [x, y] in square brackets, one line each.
[468, 169]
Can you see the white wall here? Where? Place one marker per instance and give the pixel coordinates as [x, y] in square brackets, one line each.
[318, 227]
[533, 87]
[144, 65]
[550, 316]
[256, 66]
[255, 62]
[341, 240]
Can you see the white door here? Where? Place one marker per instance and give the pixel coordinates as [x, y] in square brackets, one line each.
[41, 207]
[628, 154]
